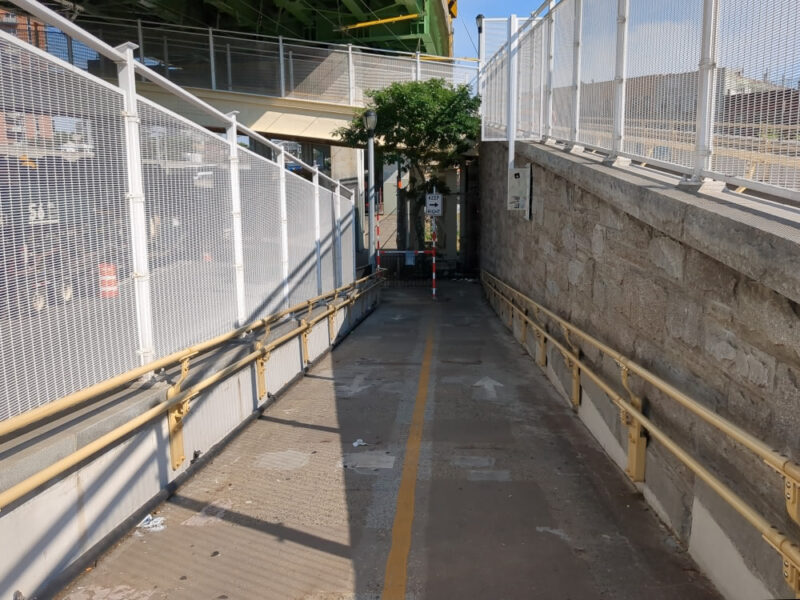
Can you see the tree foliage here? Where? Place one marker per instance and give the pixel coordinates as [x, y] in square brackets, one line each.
[425, 126]
[420, 123]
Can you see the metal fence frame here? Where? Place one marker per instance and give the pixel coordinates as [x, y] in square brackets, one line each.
[704, 146]
[341, 205]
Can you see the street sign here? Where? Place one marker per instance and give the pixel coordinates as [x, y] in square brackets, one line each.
[434, 205]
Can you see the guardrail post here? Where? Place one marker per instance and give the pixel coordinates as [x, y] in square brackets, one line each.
[620, 82]
[282, 67]
[212, 59]
[284, 226]
[418, 69]
[548, 107]
[236, 212]
[576, 78]
[126, 74]
[351, 76]
[511, 106]
[315, 179]
[705, 95]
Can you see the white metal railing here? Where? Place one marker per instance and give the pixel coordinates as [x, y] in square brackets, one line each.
[129, 232]
[258, 64]
[706, 88]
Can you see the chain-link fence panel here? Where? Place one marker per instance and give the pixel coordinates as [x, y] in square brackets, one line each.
[302, 239]
[67, 317]
[186, 176]
[376, 71]
[757, 99]
[259, 182]
[661, 87]
[348, 238]
[317, 74]
[597, 60]
[327, 239]
[563, 69]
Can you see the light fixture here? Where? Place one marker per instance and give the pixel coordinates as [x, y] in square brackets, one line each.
[370, 121]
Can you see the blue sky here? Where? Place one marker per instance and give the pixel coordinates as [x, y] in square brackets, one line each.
[469, 9]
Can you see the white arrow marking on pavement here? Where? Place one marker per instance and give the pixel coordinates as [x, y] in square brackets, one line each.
[356, 386]
[489, 385]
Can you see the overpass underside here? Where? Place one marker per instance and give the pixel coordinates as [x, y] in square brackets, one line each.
[475, 480]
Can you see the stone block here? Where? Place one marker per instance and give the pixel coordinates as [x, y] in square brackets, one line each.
[769, 320]
[684, 320]
[668, 255]
[598, 241]
[754, 366]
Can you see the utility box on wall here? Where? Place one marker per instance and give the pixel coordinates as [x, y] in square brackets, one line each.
[519, 189]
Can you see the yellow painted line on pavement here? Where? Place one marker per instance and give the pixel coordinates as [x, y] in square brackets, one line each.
[394, 582]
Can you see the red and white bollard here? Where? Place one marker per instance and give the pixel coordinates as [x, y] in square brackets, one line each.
[109, 286]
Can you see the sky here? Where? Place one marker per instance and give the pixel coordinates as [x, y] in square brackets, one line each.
[469, 9]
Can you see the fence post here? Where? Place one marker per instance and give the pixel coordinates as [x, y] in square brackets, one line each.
[236, 212]
[282, 67]
[291, 72]
[620, 68]
[418, 70]
[229, 66]
[284, 226]
[511, 105]
[481, 79]
[705, 95]
[336, 246]
[70, 51]
[351, 75]
[212, 59]
[548, 107]
[317, 227]
[353, 227]
[133, 162]
[166, 58]
[576, 77]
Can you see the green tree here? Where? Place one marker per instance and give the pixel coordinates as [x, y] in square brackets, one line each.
[425, 126]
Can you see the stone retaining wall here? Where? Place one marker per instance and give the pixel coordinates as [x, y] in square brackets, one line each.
[703, 290]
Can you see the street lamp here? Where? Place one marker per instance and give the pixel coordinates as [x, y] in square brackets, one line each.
[370, 121]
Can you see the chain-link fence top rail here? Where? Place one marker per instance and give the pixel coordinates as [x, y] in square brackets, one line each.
[753, 104]
[72, 308]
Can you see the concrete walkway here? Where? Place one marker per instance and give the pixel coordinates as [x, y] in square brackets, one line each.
[502, 491]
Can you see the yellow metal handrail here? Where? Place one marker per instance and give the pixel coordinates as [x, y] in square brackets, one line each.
[97, 390]
[176, 404]
[632, 416]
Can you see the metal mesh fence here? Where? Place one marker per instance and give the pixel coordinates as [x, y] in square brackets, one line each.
[73, 308]
[187, 187]
[327, 238]
[259, 181]
[753, 105]
[563, 57]
[757, 101]
[302, 238]
[598, 57]
[64, 222]
[661, 106]
[348, 239]
[316, 74]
